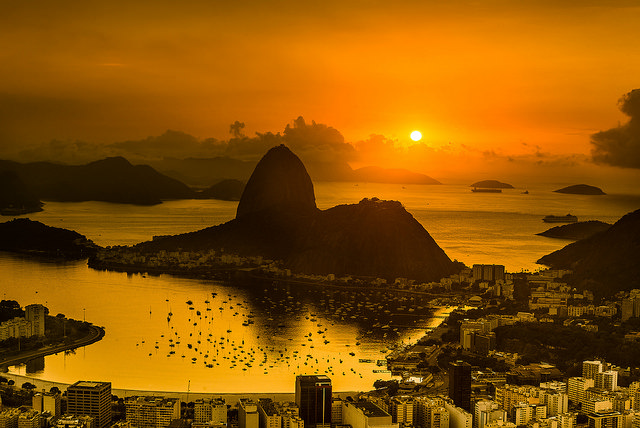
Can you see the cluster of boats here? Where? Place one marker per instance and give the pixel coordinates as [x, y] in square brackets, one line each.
[234, 337]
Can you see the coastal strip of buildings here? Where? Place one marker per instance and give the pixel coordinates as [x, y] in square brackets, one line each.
[32, 324]
[593, 400]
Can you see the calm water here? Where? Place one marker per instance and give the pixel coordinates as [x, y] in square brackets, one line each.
[234, 339]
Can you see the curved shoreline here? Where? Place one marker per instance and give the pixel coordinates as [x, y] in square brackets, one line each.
[96, 334]
[230, 397]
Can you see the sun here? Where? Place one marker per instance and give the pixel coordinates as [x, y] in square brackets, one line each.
[416, 135]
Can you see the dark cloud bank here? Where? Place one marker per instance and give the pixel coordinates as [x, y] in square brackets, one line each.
[620, 146]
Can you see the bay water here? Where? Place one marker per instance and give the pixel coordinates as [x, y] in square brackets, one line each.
[168, 334]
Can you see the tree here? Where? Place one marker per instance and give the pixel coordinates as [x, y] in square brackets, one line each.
[54, 390]
[29, 386]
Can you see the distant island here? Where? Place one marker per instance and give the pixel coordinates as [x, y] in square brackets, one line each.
[492, 184]
[26, 236]
[581, 189]
[576, 231]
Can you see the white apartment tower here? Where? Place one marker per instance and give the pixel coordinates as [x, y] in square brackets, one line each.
[487, 411]
[607, 380]
[590, 369]
[439, 418]
[152, 412]
[577, 387]
[29, 419]
[557, 402]
[247, 414]
[47, 402]
[36, 314]
[210, 410]
[268, 415]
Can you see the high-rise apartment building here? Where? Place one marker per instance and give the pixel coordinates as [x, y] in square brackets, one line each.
[590, 369]
[210, 410]
[313, 397]
[577, 387]
[365, 414]
[248, 414]
[152, 412]
[458, 417]
[47, 402]
[91, 399]
[401, 410]
[336, 410]
[29, 419]
[460, 384]
[9, 418]
[607, 380]
[605, 419]
[488, 272]
[268, 415]
[487, 411]
[556, 402]
[439, 418]
[36, 314]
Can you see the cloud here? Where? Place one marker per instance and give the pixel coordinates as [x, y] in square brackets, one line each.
[313, 142]
[620, 146]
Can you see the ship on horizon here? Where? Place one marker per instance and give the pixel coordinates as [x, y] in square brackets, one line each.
[486, 190]
[560, 219]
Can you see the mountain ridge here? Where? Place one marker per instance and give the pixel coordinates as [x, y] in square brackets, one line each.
[607, 261]
[110, 180]
[277, 218]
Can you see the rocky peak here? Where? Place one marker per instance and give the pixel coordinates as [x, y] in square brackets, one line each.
[280, 182]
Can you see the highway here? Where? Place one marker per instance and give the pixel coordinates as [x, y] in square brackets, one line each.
[95, 334]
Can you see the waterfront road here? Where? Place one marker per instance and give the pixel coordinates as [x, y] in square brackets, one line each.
[95, 334]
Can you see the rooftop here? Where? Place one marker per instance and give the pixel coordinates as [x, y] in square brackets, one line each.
[369, 409]
[90, 384]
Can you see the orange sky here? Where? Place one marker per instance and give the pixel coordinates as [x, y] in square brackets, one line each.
[491, 75]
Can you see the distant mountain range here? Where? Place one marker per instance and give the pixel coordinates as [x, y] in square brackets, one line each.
[226, 190]
[277, 218]
[15, 197]
[606, 262]
[204, 172]
[116, 180]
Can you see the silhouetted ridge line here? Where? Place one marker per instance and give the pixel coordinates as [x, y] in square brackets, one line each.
[277, 218]
[606, 262]
[110, 180]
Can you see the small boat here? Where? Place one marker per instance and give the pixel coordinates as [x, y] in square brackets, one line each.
[560, 219]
